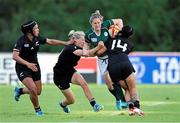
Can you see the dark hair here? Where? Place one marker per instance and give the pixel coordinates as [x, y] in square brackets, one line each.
[28, 26]
[126, 31]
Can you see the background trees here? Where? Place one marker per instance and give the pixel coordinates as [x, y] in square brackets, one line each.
[156, 22]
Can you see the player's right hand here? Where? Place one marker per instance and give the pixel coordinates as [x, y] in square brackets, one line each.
[101, 44]
[32, 66]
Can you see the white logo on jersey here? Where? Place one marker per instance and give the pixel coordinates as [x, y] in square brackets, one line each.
[94, 39]
[32, 48]
[105, 34]
[59, 87]
[21, 74]
[37, 43]
[26, 45]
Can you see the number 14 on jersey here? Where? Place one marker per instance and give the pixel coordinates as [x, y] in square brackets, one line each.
[117, 44]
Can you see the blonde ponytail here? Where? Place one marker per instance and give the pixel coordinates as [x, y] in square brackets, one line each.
[94, 15]
[75, 34]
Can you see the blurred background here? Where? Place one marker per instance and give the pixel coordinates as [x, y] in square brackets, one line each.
[156, 58]
[156, 25]
[156, 22]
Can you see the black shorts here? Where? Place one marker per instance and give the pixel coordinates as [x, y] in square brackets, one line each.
[62, 78]
[23, 72]
[120, 71]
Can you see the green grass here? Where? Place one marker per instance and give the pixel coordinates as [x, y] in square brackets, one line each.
[161, 103]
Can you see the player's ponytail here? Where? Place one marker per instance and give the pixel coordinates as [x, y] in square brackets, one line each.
[94, 15]
[75, 34]
[71, 34]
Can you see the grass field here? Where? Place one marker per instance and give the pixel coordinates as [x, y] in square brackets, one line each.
[161, 103]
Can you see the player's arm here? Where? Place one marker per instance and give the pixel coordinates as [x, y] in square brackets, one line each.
[78, 52]
[98, 50]
[57, 42]
[101, 51]
[91, 52]
[19, 60]
[118, 22]
[86, 48]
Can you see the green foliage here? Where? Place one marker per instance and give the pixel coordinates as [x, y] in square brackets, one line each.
[156, 22]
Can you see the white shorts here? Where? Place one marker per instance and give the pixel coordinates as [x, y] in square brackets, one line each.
[103, 63]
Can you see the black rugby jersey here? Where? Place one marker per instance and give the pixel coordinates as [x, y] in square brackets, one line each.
[120, 45]
[67, 59]
[28, 49]
[119, 48]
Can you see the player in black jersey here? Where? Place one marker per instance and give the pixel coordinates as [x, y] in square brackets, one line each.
[65, 73]
[27, 66]
[120, 67]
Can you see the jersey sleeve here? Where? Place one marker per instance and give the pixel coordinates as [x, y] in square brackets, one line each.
[18, 45]
[87, 38]
[42, 40]
[107, 23]
[70, 48]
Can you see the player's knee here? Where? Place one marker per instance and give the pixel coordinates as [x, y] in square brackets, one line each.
[33, 90]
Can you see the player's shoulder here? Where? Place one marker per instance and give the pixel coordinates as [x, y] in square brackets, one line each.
[70, 47]
[88, 32]
[107, 23]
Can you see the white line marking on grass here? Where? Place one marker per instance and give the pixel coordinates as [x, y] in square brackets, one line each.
[156, 103]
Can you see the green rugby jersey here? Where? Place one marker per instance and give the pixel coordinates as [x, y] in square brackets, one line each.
[93, 39]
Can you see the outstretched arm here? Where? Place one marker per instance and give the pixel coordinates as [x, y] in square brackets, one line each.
[90, 53]
[57, 42]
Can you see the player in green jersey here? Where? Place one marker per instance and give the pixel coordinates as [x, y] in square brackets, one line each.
[99, 32]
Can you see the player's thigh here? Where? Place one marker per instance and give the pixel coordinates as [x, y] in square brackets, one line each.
[130, 80]
[78, 79]
[102, 63]
[29, 83]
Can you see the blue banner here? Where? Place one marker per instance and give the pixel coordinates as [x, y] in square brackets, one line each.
[156, 68]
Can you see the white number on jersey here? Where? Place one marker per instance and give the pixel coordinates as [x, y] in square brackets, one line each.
[118, 45]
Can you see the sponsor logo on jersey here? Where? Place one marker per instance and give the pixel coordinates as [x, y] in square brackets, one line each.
[59, 86]
[37, 43]
[26, 45]
[105, 34]
[21, 74]
[94, 39]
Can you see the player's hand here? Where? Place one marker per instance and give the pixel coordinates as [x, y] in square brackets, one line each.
[32, 66]
[101, 44]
